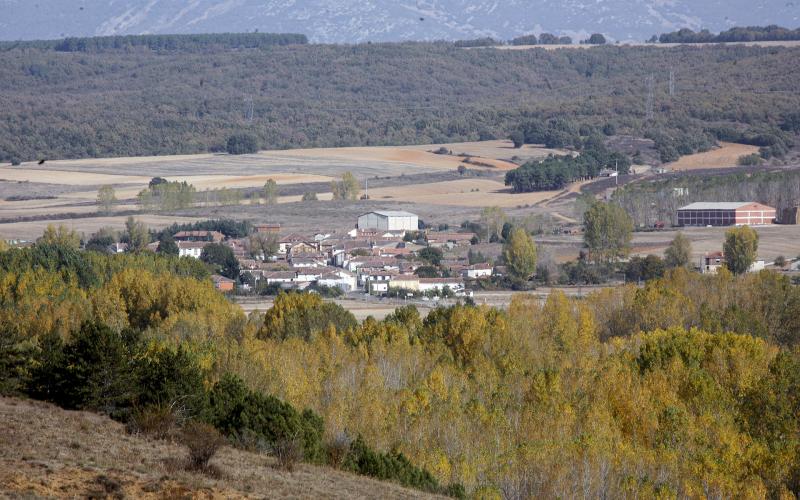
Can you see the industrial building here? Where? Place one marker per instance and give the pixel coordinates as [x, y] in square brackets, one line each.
[392, 221]
[726, 214]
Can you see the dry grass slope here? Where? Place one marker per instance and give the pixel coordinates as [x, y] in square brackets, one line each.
[49, 452]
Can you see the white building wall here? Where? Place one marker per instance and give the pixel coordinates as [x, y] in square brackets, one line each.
[190, 252]
[381, 222]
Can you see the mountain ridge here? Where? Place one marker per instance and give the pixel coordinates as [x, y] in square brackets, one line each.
[355, 21]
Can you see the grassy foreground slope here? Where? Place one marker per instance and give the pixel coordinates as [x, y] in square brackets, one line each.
[49, 452]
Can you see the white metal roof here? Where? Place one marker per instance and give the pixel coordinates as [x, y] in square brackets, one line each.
[716, 205]
[392, 213]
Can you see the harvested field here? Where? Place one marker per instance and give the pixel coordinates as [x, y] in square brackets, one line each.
[774, 240]
[66, 189]
[47, 452]
[31, 230]
[362, 161]
[726, 156]
[464, 193]
[501, 151]
[27, 173]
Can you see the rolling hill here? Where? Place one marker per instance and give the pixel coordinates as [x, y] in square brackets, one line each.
[349, 21]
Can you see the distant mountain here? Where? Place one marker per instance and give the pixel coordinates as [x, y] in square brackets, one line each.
[349, 21]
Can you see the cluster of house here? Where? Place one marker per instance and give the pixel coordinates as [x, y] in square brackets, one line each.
[373, 257]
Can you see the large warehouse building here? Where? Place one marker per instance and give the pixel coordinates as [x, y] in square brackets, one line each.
[395, 221]
[726, 214]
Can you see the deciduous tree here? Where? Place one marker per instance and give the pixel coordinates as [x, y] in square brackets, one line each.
[60, 235]
[679, 252]
[740, 249]
[519, 253]
[106, 198]
[221, 257]
[263, 245]
[607, 232]
[136, 234]
[346, 189]
[271, 192]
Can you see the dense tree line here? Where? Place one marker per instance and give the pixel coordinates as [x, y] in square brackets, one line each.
[96, 104]
[188, 42]
[739, 34]
[477, 42]
[229, 227]
[163, 195]
[556, 172]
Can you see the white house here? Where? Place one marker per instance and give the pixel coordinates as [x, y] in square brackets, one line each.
[307, 274]
[405, 282]
[191, 248]
[478, 271]
[394, 221]
[340, 278]
[439, 284]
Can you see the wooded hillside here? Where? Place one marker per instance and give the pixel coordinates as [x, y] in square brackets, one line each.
[142, 101]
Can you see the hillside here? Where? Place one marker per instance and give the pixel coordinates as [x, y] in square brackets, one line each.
[385, 20]
[136, 102]
[49, 452]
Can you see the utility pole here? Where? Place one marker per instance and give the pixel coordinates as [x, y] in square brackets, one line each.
[650, 82]
[248, 109]
[671, 83]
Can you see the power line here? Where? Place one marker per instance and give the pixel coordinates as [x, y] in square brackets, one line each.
[671, 83]
[650, 82]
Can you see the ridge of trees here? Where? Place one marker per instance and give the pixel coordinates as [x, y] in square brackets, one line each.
[737, 34]
[182, 42]
[556, 172]
[138, 103]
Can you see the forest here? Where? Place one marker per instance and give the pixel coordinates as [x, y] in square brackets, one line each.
[688, 386]
[556, 172]
[138, 102]
[738, 34]
[189, 42]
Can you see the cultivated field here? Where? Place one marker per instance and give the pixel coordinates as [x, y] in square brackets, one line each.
[67, 189]
[465, 193]
[30, 230]
[726, 156]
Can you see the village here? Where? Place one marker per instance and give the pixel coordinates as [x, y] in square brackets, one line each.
[380, 256]
[391, 253]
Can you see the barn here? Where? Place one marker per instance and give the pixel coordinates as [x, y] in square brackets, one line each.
[398, 221]
[726, 214]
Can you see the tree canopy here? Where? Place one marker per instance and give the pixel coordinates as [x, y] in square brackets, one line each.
[519, 253]
[607, 232]
[740, 249]
[222, 259]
